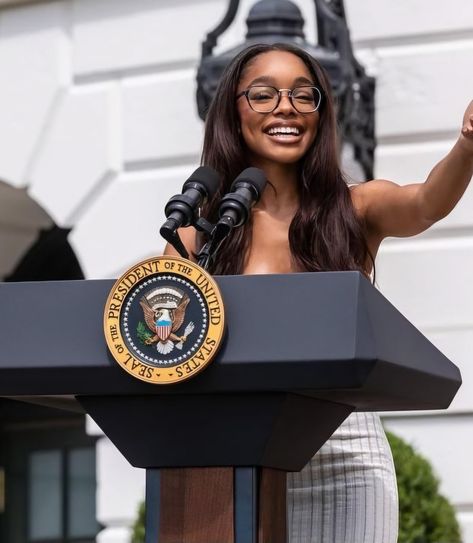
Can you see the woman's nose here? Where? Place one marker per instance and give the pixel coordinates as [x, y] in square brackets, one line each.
[285, 104]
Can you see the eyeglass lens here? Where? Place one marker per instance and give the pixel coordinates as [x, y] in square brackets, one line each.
[265, 99]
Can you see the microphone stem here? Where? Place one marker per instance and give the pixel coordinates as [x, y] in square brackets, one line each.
[203, 258]
[169, 233]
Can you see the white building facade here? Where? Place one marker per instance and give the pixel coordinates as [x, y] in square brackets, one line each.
[98, 128]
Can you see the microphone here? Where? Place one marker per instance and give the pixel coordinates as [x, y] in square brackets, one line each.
[181, 210]
[234, 210]
[235, 206]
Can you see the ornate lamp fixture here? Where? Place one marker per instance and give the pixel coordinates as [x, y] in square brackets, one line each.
[281, 21]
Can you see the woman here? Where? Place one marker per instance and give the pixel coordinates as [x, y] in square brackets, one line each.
[273, 110]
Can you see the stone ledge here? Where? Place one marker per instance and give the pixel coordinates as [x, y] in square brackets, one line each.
[429, 280]
[126, 219]
[400, 21]
[12, 3]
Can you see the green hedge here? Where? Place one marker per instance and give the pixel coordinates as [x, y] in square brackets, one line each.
[139, 527]
[425, 516]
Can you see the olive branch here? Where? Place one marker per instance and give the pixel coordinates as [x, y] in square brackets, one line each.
[143, 333]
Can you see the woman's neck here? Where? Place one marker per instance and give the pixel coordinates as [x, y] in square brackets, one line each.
[281, 196]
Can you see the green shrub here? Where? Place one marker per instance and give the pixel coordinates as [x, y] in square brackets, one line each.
[425, 516]
[139, 526]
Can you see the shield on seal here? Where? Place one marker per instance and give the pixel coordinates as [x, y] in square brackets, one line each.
[163, 329]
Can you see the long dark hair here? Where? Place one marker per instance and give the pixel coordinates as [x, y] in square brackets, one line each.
[325, 233]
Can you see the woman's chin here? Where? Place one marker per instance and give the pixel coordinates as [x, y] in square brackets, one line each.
[271, 157]
[286, 157]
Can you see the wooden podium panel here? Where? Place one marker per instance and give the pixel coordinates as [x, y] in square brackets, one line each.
[196, 505]
[216, 505]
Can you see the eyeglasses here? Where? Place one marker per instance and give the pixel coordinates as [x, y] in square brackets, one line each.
[266, 99]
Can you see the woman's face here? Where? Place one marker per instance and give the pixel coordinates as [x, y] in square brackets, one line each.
[263, 133]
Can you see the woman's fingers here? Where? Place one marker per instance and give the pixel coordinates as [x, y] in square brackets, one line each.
[467, 128]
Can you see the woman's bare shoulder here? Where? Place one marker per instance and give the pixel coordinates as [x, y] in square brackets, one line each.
[357, 192]
[363, 194]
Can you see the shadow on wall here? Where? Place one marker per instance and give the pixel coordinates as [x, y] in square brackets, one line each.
[32, 247]
[50, 258]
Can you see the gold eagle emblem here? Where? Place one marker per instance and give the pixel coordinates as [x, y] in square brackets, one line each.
[164, 312]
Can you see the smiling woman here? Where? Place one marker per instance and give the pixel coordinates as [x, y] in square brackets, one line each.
[273, 110]
[301, 166]
[287, 134]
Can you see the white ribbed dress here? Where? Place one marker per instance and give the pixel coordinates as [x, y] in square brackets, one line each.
[347, 493]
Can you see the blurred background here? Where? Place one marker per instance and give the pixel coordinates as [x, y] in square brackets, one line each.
[99, 126]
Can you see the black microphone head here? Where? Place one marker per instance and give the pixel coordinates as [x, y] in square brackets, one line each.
[204, 178]
[254, 177]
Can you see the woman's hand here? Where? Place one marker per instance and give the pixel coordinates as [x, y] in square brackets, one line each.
[466, 137]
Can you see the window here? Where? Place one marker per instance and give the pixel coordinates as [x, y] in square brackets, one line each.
[49, 473]
[61, 495]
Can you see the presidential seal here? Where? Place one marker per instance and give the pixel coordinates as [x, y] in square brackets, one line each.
[164, 320]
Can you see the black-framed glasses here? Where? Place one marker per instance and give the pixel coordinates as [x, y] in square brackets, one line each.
[264, 99]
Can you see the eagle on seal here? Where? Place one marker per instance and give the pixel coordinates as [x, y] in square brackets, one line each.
[164, 311]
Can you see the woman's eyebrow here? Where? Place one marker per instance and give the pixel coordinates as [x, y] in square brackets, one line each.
[268, 80]
[303, 81]
[264, 79]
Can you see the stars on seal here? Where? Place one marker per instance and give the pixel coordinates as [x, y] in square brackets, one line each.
[128, 321]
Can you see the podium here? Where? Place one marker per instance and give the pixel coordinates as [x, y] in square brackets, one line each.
[301, 353]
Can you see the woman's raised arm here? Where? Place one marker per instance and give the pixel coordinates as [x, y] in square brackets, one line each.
[392, 210]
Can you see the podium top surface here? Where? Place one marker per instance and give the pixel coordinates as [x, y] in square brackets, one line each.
[328, 335]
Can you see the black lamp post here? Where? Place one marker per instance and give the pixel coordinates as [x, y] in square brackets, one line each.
[281, 21]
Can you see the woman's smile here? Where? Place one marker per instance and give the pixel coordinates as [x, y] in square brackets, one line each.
[284, 132]
[284, 135]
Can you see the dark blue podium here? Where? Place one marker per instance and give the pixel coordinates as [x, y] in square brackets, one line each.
[301, 353]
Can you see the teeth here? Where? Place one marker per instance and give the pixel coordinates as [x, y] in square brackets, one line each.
[283, 130]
